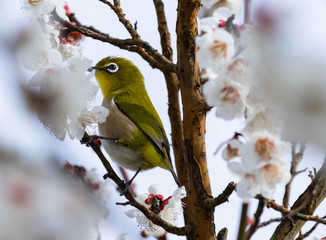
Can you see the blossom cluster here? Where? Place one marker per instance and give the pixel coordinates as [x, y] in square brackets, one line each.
[168, 209]
[55, 56]
[40, 201]
[226, 57]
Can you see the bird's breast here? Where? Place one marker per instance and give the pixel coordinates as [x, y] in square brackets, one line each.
[119, 126]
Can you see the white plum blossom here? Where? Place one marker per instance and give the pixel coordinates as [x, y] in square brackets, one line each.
[263, 164]
[263, 148]
[37, 8]
[227, 96]
[60, 76]
[209, 6]
[167, 208]
[232, 149]
[70, 91]
[216, 49]
[264, 120]
[38, 51]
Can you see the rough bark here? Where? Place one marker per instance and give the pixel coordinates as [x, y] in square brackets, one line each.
[289, 228]
[197, 182]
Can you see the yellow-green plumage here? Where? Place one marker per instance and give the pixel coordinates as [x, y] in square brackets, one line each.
[141, 141]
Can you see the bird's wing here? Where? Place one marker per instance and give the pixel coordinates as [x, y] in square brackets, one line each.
[147, 122]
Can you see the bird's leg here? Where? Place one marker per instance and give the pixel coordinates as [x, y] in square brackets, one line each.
[95, 137]
[128, 184]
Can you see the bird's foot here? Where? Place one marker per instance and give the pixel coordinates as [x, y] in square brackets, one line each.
[125, 190]
[96, 139]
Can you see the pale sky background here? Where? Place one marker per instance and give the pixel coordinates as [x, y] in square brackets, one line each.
[21, 130]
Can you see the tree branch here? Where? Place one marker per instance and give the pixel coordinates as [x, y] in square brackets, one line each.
[121, 16]
[296, 159]
[132, 201]
[289, 213]
[303, 236]
[243, 221]
[154, 58]
[259, 212]
[288, 229]
[264, 224]
[222, 198]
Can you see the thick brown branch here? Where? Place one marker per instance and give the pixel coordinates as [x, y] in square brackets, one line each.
[222, 198]
[132, 201]
[196, 179]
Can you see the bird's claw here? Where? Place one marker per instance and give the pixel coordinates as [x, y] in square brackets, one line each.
[90, 141]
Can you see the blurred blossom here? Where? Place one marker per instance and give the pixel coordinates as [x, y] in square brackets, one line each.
[292, 70]
[167, 208]
[263, 164]
[40, 201]
[227, 95]
[60, 77]
[209, 6]
[216, 49]
[37, 8]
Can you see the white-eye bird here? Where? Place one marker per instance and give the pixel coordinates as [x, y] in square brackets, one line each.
[134, 133]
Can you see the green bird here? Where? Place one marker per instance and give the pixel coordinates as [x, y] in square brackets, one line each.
[134, 133]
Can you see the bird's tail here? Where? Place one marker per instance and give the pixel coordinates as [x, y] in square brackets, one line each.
[175, 177]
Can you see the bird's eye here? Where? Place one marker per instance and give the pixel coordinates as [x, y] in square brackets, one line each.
[112, 67]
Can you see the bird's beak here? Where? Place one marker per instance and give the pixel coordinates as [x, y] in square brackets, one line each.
[93, 68]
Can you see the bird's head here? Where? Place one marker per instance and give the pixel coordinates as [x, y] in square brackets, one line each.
[116, 75]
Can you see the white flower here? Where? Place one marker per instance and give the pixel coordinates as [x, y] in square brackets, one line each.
[39, 201]
[209, 6]
[262, 165]
[98, 114]
[37, 8]
[232, 148]
[71, 92]
[216, 49]
[263, 120]
[168, 209]
[227, 95]
[38, 50]
[261, 180]
[263, 148]
[69, 50]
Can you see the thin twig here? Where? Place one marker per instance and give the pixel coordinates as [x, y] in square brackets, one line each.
[264, 224]
[296, 159]
[151, 55]
[222, 198]
[303, 236]
[259, 212]
[298, 215]
[132, 201]
[126, 179]
[121, 16]
[247, 11]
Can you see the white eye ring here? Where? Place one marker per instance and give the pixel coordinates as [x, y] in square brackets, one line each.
[112, 67]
